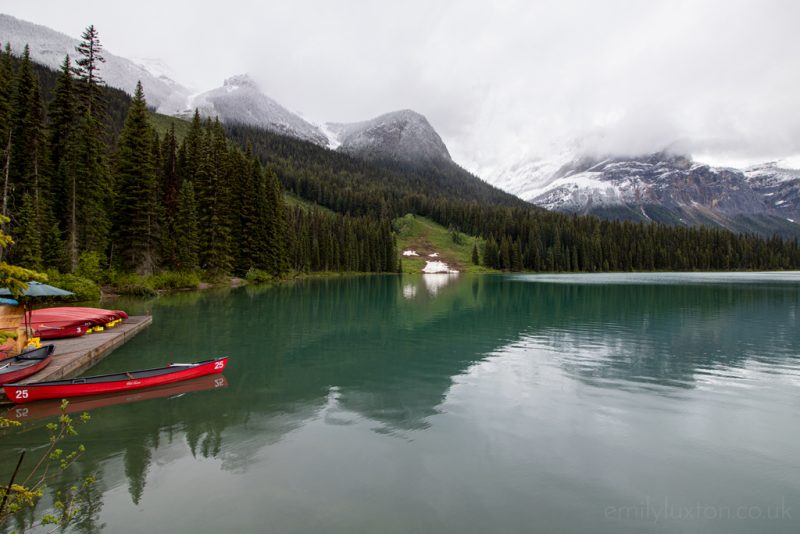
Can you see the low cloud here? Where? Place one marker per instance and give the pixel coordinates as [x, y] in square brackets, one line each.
[499, 80]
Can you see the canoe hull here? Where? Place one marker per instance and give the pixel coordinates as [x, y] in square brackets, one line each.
[55, 323]
[52, 408]
[25, 372]
[25, 364]
[61, 389]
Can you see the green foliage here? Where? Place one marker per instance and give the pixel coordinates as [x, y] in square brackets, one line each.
[85, 289]
[11, 276]
[149, 286]
[173, 280]
[257, 276]
[24, 495]
[90, 266]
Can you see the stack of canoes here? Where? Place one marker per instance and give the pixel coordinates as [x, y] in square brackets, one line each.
[54, 323]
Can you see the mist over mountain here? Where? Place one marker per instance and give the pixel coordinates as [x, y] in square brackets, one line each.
[241, 101]
[602, 175]
[49, 47]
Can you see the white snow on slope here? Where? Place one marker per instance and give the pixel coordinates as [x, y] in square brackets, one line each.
[49, 47]
[436, 267]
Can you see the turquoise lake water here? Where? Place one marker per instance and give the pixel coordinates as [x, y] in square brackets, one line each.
[518, 403]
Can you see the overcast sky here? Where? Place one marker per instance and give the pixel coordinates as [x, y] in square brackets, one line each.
[499, 80]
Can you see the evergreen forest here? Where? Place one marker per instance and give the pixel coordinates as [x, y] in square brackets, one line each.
[89, 180]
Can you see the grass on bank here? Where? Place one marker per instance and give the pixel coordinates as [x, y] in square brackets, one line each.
[426, 237]
[162, 124]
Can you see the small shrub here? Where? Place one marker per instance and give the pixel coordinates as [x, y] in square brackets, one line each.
[174, 280]
[136, 289]
[89, 266]
[257, 276]
[84, 288]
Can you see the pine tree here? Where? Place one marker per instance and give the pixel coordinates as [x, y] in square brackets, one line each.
[6, 96]
[28, 160]
[212, 202]
[23, 132]
[89, 191]
[87, 69]
[254, 219]
[475, 257]
[62, 121]
[277, 229]
[170, 179]
[186, 229]
[136, 220]
[28, 251]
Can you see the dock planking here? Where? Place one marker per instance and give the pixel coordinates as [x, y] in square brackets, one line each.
[74, 355]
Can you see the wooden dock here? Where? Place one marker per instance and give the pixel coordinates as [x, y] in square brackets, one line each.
[74, 355]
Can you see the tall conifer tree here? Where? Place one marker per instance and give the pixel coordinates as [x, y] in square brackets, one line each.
[90, 56]
[185, 233]
[136, 221]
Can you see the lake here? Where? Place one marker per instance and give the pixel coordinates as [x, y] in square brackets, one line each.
[437, 403]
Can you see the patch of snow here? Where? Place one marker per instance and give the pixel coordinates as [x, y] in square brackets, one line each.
[437, 267]
[790, 220]
[334, 140]
[434, 255]
[410, 253]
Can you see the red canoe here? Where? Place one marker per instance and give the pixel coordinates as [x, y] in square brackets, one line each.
[53, 323]
[98, 385]
[52, 408]
[25, 364]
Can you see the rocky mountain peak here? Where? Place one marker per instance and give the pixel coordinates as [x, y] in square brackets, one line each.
[241, 80]
[403, 135]
[240, 100]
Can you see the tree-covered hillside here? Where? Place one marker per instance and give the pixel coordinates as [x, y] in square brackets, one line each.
[92, 178]
[518, 236]
[89, 180]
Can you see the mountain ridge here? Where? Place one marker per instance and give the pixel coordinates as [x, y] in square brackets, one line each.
[48, 47]
[661, 187]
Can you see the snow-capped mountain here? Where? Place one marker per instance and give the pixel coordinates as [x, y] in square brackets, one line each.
[404, 136]
[49, 48]
[241, 101]
[779, 186]
[661, 187]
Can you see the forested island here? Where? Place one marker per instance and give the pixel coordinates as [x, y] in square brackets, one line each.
[99, 187]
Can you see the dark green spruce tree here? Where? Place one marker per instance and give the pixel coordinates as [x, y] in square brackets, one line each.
[90, 56]
[62, 116]
[136, 223]
[87, 176]
[212, 188]
[6, 96]
[186, 230]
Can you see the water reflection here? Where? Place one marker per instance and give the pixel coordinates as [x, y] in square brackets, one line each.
[385, 352]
